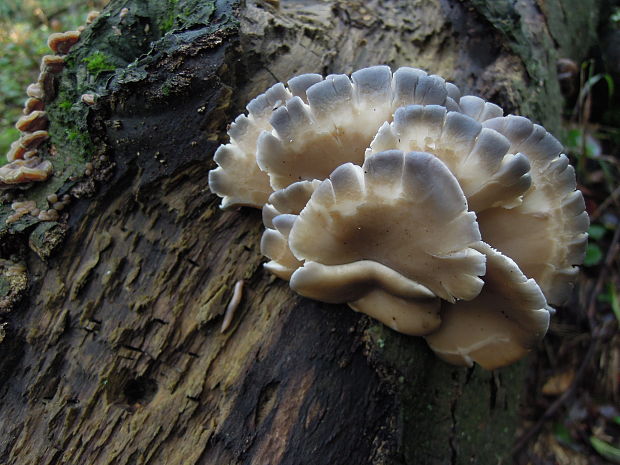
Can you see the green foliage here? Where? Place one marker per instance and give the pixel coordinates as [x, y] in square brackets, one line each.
[65, 105]
[578, 143]
[562, 434]
[614, 301]
[98, 63]
[7, 136]
[594, 255]
[605, 449]
[615, 17]
[596, 232]
[167, 23]
[594, 251]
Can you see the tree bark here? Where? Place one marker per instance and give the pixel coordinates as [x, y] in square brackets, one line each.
[114, 353]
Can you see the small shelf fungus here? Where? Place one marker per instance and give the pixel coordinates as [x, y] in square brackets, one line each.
[430, 211]
[27, 170]
[24, 165]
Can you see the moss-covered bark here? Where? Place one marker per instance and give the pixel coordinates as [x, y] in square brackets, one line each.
[115, 356]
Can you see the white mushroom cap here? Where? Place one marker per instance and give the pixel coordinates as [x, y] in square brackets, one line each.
[374, 289]
[479, 109]
[500, 325]
[489, 174]
[338, 119]
[298, 85]
[278, 217]
[404, 211]
[546, 235]
[453, 91]
[238, 180]
[415, 317]
[274, 245]
[314, 116]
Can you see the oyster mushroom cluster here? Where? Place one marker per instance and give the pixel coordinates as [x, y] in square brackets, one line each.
[430, 211]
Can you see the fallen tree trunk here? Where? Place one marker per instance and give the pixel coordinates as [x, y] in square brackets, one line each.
[114, 355]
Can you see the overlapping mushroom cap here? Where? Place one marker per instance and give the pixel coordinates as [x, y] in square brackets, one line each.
[428, 211]
[306, 130]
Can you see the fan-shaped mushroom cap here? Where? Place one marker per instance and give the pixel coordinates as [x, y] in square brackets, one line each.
[404, 211]
[341, 116]
[31, 140]
[546, 234]
[33, 104]
[61, 42]
[313, 116]
[20, 171]
[500, 325]
[278, 215]
[35, 90]
[52, 64]
[374, 289]
[238, 180]
[479, 158]
[393, 237]
[479, 109]
[34, 121]
[16, 151]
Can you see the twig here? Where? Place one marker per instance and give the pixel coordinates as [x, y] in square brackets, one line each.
[613, 197]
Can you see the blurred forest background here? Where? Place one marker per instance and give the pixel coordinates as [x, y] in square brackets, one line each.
[572, 413]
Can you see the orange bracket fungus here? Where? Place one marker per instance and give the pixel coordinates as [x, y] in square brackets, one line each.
[429, 211]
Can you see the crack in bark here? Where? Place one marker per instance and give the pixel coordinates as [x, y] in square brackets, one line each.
[453, 433]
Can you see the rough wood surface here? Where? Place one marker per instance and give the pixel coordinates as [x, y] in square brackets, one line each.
[115, 355]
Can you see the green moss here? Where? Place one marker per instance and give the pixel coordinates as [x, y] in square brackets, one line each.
[101, 52]
[69, 135]
[98, 63]
[165, 90]
[66, 105]
[77, 136]
[167, 22]
[541, 99]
